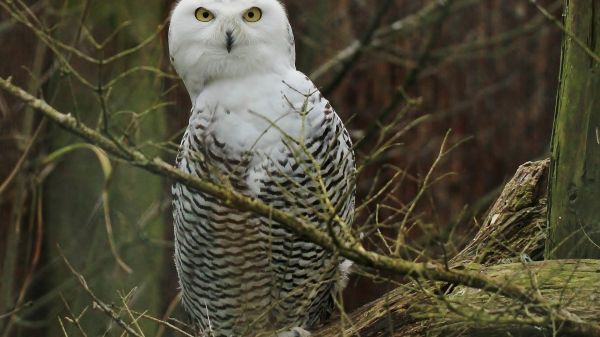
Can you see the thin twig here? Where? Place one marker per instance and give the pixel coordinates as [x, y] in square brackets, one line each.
[98, 303]
[364, 41]
[411, 79]
[24, 156]
[16, 310]
[424, 17]
[163, 322]
[577, 40]
[401, 231]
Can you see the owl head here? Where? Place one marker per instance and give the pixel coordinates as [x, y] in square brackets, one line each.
[215, 39]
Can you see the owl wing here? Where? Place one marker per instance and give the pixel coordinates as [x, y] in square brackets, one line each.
[306, 176]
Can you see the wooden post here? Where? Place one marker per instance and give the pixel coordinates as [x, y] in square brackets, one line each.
[574, 207]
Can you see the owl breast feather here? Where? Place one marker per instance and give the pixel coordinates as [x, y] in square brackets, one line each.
[249, 116]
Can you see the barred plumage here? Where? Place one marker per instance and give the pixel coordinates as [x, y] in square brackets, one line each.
[268, 133]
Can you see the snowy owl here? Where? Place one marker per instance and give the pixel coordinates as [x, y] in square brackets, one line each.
[262, 128]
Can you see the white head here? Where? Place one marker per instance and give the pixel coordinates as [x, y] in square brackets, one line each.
[216, 39]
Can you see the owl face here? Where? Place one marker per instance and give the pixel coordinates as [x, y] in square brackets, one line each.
[211, 39]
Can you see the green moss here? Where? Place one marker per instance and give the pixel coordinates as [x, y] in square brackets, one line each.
[575, 174]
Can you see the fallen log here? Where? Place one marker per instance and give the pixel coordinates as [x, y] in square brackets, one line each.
[511, 236]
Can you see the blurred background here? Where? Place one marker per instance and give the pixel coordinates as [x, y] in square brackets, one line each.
[485, 69]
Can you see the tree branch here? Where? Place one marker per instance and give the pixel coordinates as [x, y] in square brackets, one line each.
[534, 302]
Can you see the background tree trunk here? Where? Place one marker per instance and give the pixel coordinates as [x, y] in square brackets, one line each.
[575, 171]
[77, 191]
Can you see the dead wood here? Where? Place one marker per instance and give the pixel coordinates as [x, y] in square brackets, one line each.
[512, 233]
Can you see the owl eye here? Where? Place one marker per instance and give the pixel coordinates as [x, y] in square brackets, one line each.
[204, 15]
[253, 14]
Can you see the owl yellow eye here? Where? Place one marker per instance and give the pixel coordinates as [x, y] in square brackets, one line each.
[204, 15]
[253, 14]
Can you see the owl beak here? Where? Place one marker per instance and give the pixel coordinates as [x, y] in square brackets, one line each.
[229, 40]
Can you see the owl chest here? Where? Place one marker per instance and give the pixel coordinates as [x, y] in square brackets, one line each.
[238, 131]
[248, 114]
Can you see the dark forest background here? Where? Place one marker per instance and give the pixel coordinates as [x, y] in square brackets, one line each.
[487, 70]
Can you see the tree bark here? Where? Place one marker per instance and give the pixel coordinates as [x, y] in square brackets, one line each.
[575, 174]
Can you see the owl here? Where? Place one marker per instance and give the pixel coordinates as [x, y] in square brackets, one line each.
[260, 127]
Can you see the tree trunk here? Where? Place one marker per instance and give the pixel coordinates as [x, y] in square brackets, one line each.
[575, 171]
[77, 192]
